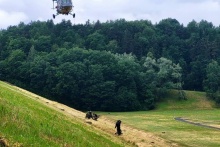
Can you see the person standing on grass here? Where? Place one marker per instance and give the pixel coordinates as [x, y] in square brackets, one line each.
[118, 126]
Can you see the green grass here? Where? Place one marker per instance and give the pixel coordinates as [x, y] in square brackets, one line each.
[161, 121]
[29, 123]
[195, 100]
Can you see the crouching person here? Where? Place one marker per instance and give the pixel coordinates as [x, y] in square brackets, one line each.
[89, 114]
[95, 116]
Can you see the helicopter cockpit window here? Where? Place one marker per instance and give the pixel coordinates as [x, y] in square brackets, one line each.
[66, 1]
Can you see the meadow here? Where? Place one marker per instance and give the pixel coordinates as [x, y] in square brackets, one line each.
[162, 121]
[26, 122]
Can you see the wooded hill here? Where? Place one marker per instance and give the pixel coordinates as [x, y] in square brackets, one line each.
[114, 66]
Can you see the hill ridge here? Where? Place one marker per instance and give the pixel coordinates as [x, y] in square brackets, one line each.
[131, 135]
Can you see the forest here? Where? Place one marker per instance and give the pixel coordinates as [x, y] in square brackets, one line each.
[113, 66]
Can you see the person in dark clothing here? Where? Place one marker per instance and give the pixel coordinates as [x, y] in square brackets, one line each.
[118, 126]
[89, 114]
[95, 116]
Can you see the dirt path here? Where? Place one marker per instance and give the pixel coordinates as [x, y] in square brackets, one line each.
[131, 135]
[195, 123]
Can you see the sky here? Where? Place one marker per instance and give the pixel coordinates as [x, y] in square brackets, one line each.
[12, 12]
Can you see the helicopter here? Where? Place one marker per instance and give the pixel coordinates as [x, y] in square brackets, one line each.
[63, 7]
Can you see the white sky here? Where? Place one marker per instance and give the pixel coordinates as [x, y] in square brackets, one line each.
[12, 12]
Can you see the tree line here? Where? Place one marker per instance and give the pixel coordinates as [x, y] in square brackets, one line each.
[113, 66]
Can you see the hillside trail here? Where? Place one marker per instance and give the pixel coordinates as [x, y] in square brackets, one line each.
[130, 134]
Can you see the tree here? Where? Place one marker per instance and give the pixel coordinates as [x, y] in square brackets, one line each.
[95, 41]
[43, 43]
[164, 73]
[112, 46]
[14, 62]
[212, 81]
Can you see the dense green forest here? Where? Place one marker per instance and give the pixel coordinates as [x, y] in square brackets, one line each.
[113, 66]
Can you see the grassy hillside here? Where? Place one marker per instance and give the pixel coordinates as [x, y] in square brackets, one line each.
[161, 122]
[26, 122]
[195, 100]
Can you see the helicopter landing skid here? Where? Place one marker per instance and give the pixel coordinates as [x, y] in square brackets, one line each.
[74, 15]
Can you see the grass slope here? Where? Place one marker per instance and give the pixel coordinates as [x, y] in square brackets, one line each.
[161, 121]
[26, 122]
[195, 100]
